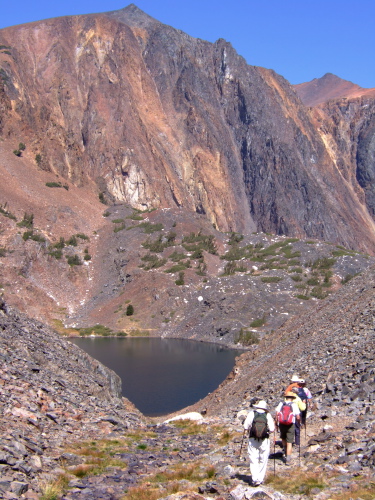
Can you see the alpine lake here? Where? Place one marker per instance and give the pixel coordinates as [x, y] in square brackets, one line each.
[161, 376]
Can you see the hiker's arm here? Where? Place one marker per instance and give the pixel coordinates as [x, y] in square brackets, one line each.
[248, 421]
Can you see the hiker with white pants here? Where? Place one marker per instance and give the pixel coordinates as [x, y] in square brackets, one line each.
[259, 447]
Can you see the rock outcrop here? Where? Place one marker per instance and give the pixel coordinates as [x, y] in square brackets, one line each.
[51, 393]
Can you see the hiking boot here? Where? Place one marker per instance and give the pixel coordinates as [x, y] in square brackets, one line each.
[288, 460]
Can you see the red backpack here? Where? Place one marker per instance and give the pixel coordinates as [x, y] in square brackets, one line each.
[285, 415]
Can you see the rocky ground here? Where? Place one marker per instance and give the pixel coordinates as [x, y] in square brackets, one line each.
[65, 429]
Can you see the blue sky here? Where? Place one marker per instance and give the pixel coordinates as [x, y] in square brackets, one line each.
[299, 39]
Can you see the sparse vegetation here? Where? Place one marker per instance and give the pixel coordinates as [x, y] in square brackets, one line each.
[296, 483]
[153, 262]
[6, 212]
[258, 322]
[271, 279]
[72, 241]
[27, 221]
[99, 330]
[199, 241]
[181, 278]
[57, 185]
[246, 337]
[74, 260]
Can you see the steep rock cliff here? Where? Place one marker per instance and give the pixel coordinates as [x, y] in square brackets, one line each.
[156, 118]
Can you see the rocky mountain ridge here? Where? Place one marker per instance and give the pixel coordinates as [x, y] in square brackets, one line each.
[199, 128]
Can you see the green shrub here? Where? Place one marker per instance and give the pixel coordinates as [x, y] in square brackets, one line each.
[303, 297]
[17, 152]
[96, 329]
[21, 146]
[347, 278]
[258, 322]
[102, 198]
[74, 260]
[129, 310]
[297, 270]
[72, 241]
[149, 227]
[296, 277]
[235, 238]
[27, 221]
[245, 337]
[55, 253]
[3, 251]
[199, 241]
[153, 261]
[178, 267]
[54, 184]
[323, 263]
[82, 236]
[231, 268]
[313, 281]
[318, 293]
[30, 235]
[235, 253]
[271, 279]
[177, 256]
[135, 216]
[119, 228]
[38, 159]
[87, 256]
[181, 278]
[155, 246]
[60, 244]
[6, 213]
[118, 221]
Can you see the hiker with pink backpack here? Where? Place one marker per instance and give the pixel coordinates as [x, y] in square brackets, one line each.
[287, 414]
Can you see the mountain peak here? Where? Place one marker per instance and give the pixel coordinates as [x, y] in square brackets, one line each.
[329, 86]
[132, 16]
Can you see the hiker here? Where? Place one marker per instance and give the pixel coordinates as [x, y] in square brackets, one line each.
[303, 393]
[302, 407]
[287, 413]
[260, 424]
[302, 389]
[294, 382]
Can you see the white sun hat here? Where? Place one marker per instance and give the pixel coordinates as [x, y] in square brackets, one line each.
[261, 405]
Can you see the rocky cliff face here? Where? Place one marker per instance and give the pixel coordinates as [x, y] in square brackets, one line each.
[155, 118]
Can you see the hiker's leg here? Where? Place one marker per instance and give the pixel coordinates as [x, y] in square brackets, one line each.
[253, 451]
[289, 442]
[284, 446]
[264, 451]
[283, 432]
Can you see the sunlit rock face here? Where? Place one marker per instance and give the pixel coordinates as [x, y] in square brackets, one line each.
[152, 117]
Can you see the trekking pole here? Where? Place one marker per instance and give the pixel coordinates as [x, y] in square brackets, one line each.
[243, 437]
[274, 455]
[300, 453]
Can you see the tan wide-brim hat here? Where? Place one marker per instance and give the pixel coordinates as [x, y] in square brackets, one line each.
[295, 378]
[290, 394]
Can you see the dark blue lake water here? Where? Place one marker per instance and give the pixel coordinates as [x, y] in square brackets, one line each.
[161, 376]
